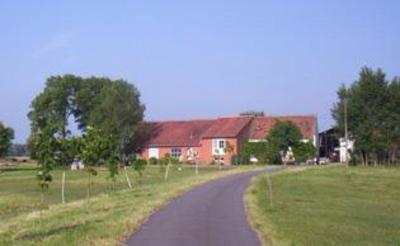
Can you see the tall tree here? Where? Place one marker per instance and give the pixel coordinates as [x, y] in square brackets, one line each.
[112, 106]
[6, 136]
[370, 106]
[118, 112]
[393, 121]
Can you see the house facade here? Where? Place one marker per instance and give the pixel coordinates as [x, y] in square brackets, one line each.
[210, 140]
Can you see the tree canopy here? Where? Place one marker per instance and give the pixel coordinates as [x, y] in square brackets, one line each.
[6, 136]
[113, 106]
[373, 116]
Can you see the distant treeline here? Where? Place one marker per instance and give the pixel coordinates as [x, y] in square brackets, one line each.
[18, 150]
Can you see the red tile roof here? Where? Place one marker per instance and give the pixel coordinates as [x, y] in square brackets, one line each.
[189, 133]
[177, 133]
[261, 126]
[227, 127]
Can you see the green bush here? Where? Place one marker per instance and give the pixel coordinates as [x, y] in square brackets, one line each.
[235, 160]
[304, 151]
[272, 155]
[174, 160]
[256, 149]
[139, 166]
[153, 161]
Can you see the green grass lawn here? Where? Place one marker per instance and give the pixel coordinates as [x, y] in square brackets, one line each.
[106, 219]
[328, 206]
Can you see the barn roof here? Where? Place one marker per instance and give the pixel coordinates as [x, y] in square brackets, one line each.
[177, 133]
[261, 126]
[190, 132]
[227, 127]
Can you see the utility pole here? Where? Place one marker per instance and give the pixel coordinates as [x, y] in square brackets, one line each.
[346, 133]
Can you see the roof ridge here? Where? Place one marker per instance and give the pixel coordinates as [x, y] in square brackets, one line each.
[290, 116]
[172, 121]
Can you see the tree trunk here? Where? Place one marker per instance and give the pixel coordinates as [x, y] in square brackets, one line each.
[363, 157]
[63, 188]
[127, 178]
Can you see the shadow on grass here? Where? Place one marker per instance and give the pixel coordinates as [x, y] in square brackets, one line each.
[16, 169]
[55, 231]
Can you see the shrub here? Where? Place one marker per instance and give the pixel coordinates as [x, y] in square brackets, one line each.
[235, 160]
[174, 160]
[256, 149]
[153, 161]
[139, 165]
[304, 151]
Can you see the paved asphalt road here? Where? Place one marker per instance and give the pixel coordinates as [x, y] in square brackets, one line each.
[212, 214]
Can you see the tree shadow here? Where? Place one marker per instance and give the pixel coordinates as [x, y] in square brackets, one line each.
[55, 231]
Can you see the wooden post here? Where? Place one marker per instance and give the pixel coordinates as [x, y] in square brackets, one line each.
[88, 187]
[346, 134]
[127, 178]
[269, 181]
[63, 187]
[167, 170]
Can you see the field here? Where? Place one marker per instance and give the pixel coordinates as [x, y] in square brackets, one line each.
[105, 219]
[328, 206]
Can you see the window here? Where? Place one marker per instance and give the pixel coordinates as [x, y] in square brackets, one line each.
[176, 153]
[221, 144]
[218, 146]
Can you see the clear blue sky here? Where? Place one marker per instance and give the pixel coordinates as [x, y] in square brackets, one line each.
[196, 59]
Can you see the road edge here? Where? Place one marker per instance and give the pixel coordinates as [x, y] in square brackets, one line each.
[180, 192]
[251, 208]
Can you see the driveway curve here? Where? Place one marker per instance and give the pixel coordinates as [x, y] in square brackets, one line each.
[211, 214]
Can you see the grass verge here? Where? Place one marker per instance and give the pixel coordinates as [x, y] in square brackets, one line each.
[107, 219]
[327, 206]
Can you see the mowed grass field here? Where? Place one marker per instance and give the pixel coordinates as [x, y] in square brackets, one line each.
[328, 206]
[106, 219]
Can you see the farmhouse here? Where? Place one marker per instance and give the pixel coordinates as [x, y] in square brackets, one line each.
[209, 140]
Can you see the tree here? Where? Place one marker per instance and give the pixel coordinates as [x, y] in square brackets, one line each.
[283, 136]
[373, 117]
[46, 144]
[6, 136]
[139, 166]
[112, 106]
[273, 154]
[304, 151]
[69, 149]
[97, 149]
[393, 120]
[167, 160]
[118, 111]
[18, 150]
